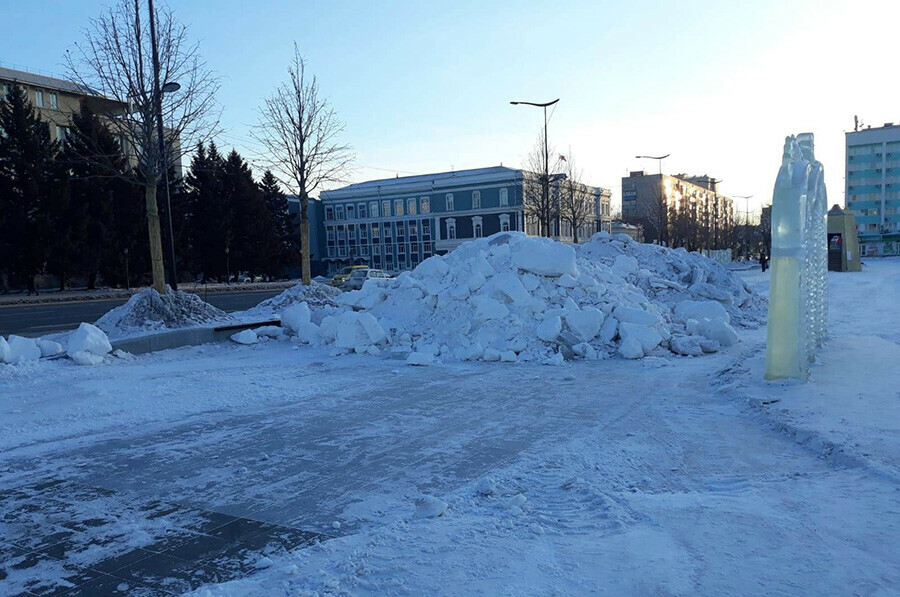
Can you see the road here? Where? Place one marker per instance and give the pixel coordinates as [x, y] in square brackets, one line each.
[37, 320]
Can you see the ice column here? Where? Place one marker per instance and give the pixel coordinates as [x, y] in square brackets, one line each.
[799, 262]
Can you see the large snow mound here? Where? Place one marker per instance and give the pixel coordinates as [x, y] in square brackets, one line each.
[510, 297]
[150, 311]
[320, 298]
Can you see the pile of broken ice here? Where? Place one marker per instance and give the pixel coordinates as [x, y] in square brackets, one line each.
[87, 345]
[511, 297]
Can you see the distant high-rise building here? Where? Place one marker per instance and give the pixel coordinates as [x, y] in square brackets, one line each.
[678, 211]
[873, 187]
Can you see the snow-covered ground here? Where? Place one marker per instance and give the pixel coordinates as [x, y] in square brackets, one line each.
[662, 476]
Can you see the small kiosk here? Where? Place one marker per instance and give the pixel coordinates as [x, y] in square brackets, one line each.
[843, 243]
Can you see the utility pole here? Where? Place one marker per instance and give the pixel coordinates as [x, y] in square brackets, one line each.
[545, 181]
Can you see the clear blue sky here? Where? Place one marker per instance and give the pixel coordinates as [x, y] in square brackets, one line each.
[425, 86]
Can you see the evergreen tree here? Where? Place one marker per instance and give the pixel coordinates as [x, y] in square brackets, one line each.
[287, 244]
[30, 183]
[253, 237]
[207, 213]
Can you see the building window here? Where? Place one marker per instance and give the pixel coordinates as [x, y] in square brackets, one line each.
[331, 252]
[339, 212]
[477, 229]
[449, 200]
[425, 205]
[388, 230]
[361, 211]
[426, 247]
[329, 213]
[398, 207]
[411, 206]
[413, 229]
[342, 235]
[54, 101]
[373, 207]
[389, 249]
[351, 212]
[330, 234]
[363, 232]
[342, 251]
[401, 249]
[504, 223]
[476, 199]
[401, 231]
[62, 134]
[426, 228]
[504, 197]
[451, 228]
[374, 231]
[385, 208]
[376, 249]
[39, 99]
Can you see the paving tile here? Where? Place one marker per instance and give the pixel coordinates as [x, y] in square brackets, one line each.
[40, 574]
[170, 574]
[129, 558]
[237, 529]
[105, 584]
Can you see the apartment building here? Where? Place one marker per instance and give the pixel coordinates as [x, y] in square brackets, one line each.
[873, 187]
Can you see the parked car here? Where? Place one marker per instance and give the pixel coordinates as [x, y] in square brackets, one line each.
[358, 277]
[339, 277]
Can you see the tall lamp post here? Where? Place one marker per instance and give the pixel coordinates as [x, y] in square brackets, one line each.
[746, 232]
[545, 180]
[168, 87]
[662, 198]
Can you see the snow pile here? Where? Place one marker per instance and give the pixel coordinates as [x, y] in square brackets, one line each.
[511, 297]
[320, 298]
[88, 345]
[149, 311]
[17, 350]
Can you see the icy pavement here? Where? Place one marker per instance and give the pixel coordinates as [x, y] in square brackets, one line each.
[666, 476]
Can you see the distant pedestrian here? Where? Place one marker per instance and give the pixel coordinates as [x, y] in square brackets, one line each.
[763, 261]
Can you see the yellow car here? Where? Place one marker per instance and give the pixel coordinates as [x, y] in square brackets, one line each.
[343, 274]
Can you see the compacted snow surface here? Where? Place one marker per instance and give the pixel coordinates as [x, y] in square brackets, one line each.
[665, 475]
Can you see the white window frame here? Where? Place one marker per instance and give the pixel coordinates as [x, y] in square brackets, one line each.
[54, 100]
[477, 227]
[373, 209]
[411, 206]
[424, 205]
[362, 211]
[476, 199]
[38, 98]
[449, 205]
[504, 197]
[385, 208]
[351, 212]
[451, 228]
[398, 207]
[339, 212]
[504, 223]
[330, 234]
[329, 213]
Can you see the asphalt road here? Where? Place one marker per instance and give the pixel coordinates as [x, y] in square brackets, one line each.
[37, 320]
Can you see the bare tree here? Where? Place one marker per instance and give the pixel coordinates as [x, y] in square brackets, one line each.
[576, 200]
[114, 64]
[541, 202]
[301, 135]
[656, 215]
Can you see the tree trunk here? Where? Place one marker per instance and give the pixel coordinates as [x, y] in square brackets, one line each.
[304, 238]
[156, 254]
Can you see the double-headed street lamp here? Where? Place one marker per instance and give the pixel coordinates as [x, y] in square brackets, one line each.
[545, 187]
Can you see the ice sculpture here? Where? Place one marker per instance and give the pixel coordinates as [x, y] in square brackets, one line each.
[799, 260]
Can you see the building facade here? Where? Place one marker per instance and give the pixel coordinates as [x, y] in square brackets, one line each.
[678, 211]
[396, 223]
[873, 187]
[55, 100]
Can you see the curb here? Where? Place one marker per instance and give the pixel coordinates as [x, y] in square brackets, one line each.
[189, 337]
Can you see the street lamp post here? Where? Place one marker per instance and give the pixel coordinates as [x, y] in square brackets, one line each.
[746, 232]
[227, 266]
[127, 277]
[664, 204]
[168, 87]
[545, 181]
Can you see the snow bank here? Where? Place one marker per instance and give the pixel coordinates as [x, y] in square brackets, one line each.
[511, 297]
[319, 298]
[21, 350]
[149, 311]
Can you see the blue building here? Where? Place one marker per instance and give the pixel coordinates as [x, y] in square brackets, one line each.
[396, 223]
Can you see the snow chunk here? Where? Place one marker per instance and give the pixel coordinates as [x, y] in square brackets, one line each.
[630, 348]
[699, 310]
[549, 329]
[638, 316]
[295, 317]
[585, 323]
[420, 359]
[487, 308]
[648, 337]
[566, 281]
[245, 337]
[719, 331]
[509, 286]
[48, 348]
[545, 258]
[4, 350]
[22, 350]
[430, 507]
[269, 331]
[89, 338]
[625, 265]
[431, 267]
[686, 345]
[83, 357]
